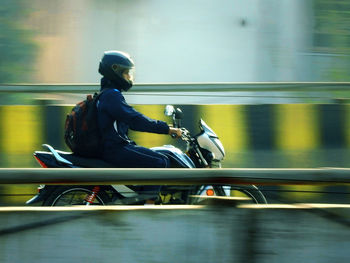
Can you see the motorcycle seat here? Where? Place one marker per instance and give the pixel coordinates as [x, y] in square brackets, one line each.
[85, 162]
[77, 161]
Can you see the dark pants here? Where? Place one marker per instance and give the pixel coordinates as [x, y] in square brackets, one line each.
[133, 156]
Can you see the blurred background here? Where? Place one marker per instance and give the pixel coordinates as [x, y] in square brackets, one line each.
[61, 41]
[196, 41]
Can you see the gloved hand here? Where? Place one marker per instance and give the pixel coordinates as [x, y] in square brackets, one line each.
[175, 132]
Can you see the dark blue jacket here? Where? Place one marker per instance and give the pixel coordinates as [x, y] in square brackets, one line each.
[115, 117]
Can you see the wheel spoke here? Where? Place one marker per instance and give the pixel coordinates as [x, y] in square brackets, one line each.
[74, 196]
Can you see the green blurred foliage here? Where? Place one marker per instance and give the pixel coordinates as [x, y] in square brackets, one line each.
[17, 47]
[332, 36]
[332, 26]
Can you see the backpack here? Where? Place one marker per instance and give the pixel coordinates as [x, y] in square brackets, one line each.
[81, 129]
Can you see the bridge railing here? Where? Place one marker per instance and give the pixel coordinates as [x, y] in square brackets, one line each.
[174, 87]
[275, 176]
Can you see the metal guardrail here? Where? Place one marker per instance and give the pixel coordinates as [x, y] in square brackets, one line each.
[200, 93]
[174, 87]
[150, 176]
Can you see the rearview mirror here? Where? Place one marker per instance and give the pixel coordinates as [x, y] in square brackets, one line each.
[178, 114]
[169, 110]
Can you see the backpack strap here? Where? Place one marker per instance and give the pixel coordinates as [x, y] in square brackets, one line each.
[97, 96]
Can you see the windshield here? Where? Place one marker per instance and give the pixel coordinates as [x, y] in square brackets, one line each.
[207, 129]
[208, 140]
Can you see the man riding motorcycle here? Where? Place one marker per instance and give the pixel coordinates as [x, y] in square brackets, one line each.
[115, 117]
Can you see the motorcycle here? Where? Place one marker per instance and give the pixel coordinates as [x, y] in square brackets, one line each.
[203, 150]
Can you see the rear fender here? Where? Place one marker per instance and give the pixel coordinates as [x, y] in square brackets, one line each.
[48, 160]
[44, 192]
[58, 157]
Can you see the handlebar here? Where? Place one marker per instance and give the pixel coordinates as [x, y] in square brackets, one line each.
[185, 134]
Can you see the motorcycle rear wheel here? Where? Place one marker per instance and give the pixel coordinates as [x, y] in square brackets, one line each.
[74, 195]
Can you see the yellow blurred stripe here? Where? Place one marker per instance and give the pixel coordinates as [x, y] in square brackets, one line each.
[347, 124]
[228, 122]
[21, 129]
[150, 139]
[297, 127]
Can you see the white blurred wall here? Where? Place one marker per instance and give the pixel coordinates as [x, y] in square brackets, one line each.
[175, 41]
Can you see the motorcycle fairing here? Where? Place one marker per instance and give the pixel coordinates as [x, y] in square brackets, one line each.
[56, 155]
[209, 141]
[175, 155]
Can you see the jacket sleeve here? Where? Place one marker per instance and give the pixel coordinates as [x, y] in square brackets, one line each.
[120, 110]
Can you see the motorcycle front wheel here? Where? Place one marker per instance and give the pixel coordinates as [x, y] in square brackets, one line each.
[242, 193]
[75, 195]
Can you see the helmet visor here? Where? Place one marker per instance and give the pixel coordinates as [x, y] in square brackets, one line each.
[128, 74]
[124, 72]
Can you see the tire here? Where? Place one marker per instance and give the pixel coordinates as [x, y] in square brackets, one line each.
[248, 193]
[251, 191]
[74, 195]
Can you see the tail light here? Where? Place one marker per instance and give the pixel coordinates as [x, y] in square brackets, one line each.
[210, 192]
[42, 164]
[40, 187]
